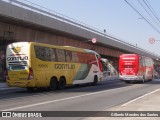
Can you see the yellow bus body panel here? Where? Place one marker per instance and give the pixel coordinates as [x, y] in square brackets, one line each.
[44, 70]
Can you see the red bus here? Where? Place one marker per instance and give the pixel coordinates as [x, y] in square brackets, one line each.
[133, 67]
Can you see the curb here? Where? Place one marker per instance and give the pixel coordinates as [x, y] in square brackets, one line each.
[3, 85]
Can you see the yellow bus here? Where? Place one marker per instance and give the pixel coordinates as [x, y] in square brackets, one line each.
[34, 65]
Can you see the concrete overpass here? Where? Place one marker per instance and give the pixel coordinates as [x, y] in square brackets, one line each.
[24, 22]
[16, 13]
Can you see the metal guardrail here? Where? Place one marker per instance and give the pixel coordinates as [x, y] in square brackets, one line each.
[50, 13]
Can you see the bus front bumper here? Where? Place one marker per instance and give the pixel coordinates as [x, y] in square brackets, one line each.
[23, 84]
[129, 78]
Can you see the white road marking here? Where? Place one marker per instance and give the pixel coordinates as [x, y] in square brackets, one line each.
[74, 97]
[47, 102]
[139, 98]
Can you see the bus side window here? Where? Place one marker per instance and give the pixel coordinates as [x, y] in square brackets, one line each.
[140, 61]
[53, 54]
[60, 55]
[47, 54]
[144, 62]
[91, 59]
[44, 54]
[38, 51]
[75, 57]
[83, 57]
[68, 56]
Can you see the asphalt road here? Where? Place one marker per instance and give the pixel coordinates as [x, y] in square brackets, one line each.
[105, 95]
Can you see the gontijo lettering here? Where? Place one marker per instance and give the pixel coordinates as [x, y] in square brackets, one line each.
[17, 58]
[64, 66]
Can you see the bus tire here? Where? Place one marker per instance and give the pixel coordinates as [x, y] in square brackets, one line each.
[61, 83]
[95, 80]
[127, 82]
[151, 78]
[53, 84]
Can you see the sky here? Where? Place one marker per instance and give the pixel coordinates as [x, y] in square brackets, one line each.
[115, 16]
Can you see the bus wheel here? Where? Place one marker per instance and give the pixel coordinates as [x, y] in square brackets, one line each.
[62, 83]
[151, 78]
[53, 84]
[95, 81]
[127, 82]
